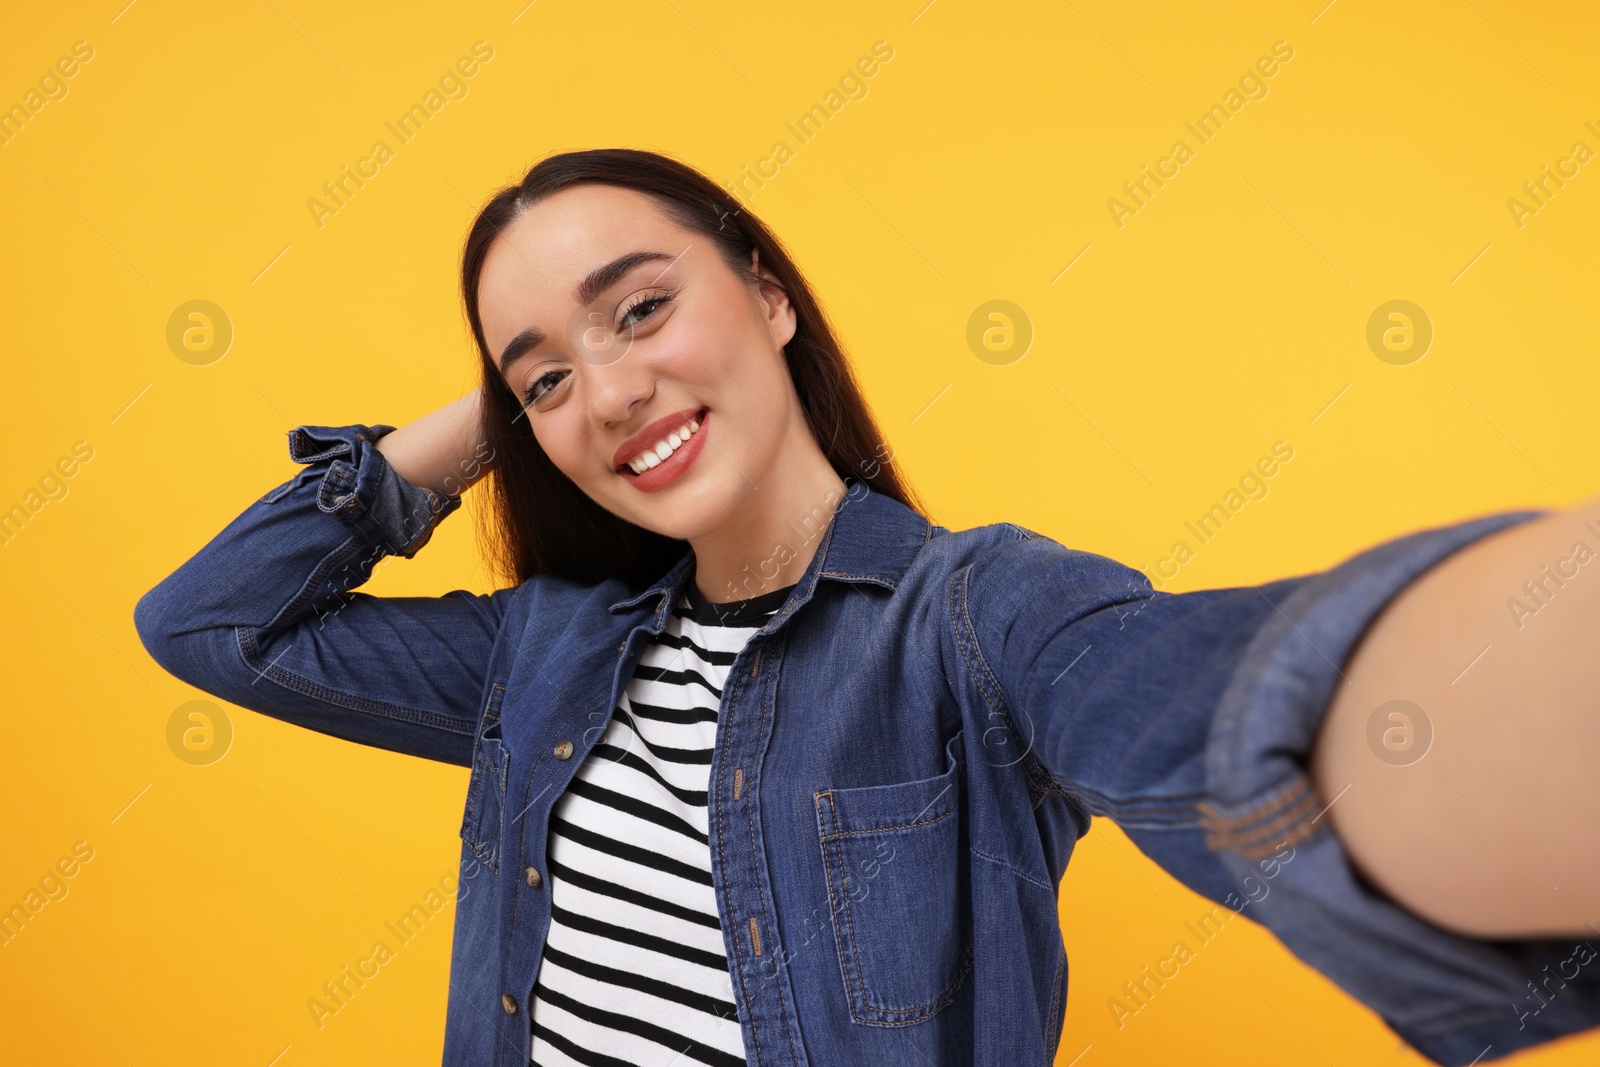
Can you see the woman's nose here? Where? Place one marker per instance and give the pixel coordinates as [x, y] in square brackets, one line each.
[618, 388]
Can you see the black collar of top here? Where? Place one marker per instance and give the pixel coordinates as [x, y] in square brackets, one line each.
[745, 612]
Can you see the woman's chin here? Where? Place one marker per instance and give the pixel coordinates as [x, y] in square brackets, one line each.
[682, 512]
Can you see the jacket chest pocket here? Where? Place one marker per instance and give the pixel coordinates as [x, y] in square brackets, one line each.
[483, 821]
[899, 889]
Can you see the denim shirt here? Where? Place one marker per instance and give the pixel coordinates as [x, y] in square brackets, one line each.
[907, 753]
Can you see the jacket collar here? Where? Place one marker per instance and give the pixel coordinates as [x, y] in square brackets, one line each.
[871, 537]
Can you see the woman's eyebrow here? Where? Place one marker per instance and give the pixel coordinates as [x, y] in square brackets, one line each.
[602, 278]
[593, 284]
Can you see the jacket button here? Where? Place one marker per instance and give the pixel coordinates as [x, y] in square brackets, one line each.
[563, 749]
[508, 1003]
[534, 879]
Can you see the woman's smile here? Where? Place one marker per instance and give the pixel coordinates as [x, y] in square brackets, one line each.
[664, 451]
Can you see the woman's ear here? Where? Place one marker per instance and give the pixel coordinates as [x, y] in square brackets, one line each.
[778, 311]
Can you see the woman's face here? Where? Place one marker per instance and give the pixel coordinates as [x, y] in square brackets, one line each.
[605, 318]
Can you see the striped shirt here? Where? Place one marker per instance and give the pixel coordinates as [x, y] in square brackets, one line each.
[634, 970]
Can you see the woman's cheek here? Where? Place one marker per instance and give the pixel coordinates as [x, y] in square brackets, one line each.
[557, 437]
[691, 358]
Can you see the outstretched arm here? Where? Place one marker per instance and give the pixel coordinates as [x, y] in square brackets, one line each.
[1459, 751]
[1189, 719]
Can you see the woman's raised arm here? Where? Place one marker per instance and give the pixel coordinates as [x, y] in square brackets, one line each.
[264, 615]
[444, 450]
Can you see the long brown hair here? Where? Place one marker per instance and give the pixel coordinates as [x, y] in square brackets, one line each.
[538, 521]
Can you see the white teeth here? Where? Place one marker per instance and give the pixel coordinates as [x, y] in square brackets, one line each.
[652, 457]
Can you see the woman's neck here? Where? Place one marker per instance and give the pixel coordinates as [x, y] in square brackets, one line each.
[770, 541]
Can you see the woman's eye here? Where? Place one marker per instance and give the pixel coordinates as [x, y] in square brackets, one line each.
[532, 394]
[648, 306]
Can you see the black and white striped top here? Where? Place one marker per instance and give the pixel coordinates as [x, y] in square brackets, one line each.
[634, 970]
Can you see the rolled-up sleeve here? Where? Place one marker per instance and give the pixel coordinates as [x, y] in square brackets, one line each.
[1189, 719]
[265, 615]
[356, 485]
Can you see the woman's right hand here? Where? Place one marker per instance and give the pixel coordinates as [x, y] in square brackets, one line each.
[444, 450]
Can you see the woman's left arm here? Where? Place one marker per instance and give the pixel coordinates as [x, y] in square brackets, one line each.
[1459, 752]
[1192, 720]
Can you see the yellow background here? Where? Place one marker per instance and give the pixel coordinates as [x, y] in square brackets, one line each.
[1228, 313]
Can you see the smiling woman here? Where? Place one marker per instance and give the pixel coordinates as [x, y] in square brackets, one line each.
[616, 283]
[826, 820]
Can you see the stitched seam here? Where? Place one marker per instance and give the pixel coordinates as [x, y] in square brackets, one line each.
[715, 797]
[338, 557]
[755, 1031]
[1179, 819]
[1048, 783]
[850, 919]
[755, 853]
[964, 636]
[1127, 819]
[1236, 835]
[1132, 814]
[272, 496]
[349, 508]
[1258, 851]
[1177, 804]
[491, 713]
[1013, 868]
[484, 850]
[876, 579]
[496, 695]
[929, 1008]
[1266, 806]
[298, 683]
[1054, 1025]
[934, 1006]
[299, 442]
[483, 854]
[847, 946]
[1268, 839]
[1286, 818]
[887, 829]
[845, 958]
[1082, 809]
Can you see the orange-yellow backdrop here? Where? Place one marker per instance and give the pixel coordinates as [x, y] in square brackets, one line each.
[1173, 341]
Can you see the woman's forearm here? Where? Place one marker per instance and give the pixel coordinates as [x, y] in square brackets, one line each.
[1474, 802]
[444, 450]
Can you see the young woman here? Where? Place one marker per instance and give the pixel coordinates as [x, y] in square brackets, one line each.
[767, 768]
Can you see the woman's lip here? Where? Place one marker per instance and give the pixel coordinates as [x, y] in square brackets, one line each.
[647, 437]
[674, 466]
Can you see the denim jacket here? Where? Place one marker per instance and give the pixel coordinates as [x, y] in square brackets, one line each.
[907, 753]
